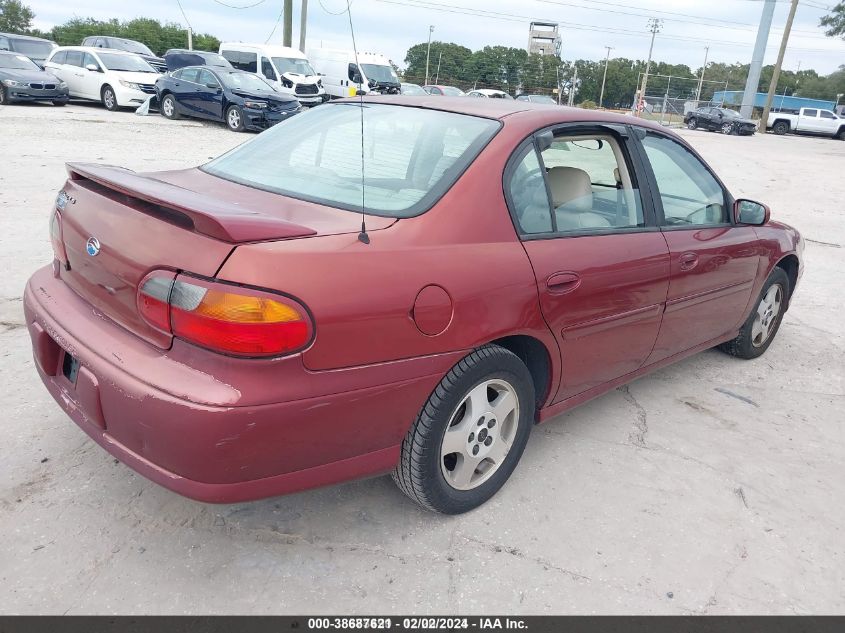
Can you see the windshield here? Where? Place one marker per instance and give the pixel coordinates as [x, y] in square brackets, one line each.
[128, 63]
[543, 99]
[131, 47]
[18, 62]
[293, 65]
[412, 156]
[380, 73]
[413, 90]
[33, 48]
[450, 91]
[246, 81]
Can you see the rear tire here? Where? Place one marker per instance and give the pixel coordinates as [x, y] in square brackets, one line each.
[235, 119]
[484, 410]
[168, 107]
[780, 127]
[109, 98]
[762, 325]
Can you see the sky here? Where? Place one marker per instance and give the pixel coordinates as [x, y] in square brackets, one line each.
[391, 26]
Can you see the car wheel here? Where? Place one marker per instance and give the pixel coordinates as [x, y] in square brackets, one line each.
[469, 435]
[109, 98]
[727, 128]
[168, 107]
[235, 118]
[759, 329]
[59, 103]
[692, 123]
[780, 127]
[4, 97]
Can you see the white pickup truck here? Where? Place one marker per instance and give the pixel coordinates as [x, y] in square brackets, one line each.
[808, 120]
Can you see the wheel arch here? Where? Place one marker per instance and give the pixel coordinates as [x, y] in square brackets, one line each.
[789, 264]
[537, 358]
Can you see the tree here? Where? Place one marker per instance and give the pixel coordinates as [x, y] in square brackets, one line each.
[15, 17]
[835, 21]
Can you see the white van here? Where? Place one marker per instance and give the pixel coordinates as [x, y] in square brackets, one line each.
[286, 68]
[342, 77]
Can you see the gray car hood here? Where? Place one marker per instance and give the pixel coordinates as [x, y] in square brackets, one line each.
[28, 76]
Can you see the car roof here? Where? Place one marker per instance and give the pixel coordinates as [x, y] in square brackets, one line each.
[95, 50]
[17, 36]
[502, 108]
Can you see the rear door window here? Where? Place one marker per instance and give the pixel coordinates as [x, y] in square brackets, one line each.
[74, 58]
[810, 112]
[190, 74]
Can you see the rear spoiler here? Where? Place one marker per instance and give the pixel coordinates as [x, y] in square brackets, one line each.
[221, 220]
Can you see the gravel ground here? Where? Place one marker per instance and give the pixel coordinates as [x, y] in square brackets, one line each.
[712, 486]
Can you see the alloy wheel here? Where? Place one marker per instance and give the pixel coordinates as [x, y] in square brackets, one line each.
[109, 99]
[234, 119]
[767, 313]
[480, 434]
[167, 107]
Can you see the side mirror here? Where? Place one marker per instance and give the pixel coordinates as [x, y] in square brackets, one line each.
[212, 86]
[751, 213]
[93, 68]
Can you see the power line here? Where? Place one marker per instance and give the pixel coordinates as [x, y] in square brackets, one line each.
[184, 15]
[245, 6]
[276, 25]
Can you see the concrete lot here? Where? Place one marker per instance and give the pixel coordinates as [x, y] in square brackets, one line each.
[713, 486]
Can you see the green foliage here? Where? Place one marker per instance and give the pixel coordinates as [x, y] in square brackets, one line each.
[835, 21]
[588, 105]
[15, 17]
[159, 37]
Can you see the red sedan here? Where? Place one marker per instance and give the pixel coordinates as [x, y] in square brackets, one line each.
[243, 330]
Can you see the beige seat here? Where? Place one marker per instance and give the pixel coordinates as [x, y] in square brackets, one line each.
[572, 197]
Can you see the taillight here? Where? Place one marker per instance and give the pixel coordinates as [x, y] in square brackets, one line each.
[224, 317]
[56, 237]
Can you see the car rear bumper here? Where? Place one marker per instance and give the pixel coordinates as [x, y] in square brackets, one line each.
[194, 436]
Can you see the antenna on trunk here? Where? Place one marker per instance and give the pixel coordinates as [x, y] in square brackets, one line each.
[362, 236]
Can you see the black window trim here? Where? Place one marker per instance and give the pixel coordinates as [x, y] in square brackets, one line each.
[651, 182]
[632, 158]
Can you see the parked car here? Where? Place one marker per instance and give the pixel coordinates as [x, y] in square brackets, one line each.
[115, 78]
[176, 58]
[537, 99]
[486, 93]
[241, 330]
[808, 121]
[36, 48]
[129, 46]
[412, 90]
[719, 119]
[286, 68]
[344, 74]
[21, 79]
[242, 100]
[444, 91]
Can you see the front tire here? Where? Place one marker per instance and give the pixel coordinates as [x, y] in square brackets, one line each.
[59, 104]
[762, 325]
[470, 434]
[168, 107]
[727, 128]
[235, 119]
[692, 124]
[109, 98]
[4, 96]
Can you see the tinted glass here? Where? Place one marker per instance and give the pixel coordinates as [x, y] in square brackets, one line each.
[353, 74]
[32, 48]
[88, 58]
[688, 191]
[452, 92]
[206, 78]
[190, 74]
[379, 73]
[267, 69]
[412, 156]
[246, 81]
[810, 112]
[129, 45]
[827, 115]
[59, 58]
[74, 58]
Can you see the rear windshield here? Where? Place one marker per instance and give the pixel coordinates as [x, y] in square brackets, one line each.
[130, 46]
[33, 48]
[411, 156]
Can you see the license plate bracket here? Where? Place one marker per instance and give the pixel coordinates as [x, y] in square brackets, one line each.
[70, 367]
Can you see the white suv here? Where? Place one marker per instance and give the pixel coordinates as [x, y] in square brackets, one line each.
[116, 78]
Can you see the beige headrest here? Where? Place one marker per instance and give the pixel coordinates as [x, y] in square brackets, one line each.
[571, 187]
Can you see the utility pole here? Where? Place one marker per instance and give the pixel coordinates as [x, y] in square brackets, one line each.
[753, 81]
[439, 59]
[776, 74]
[701, 78]
[604, 77]
[573, 87]
[653, 26]
[190, 39]
[428, 52]
[287, 33]
[303, 19]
